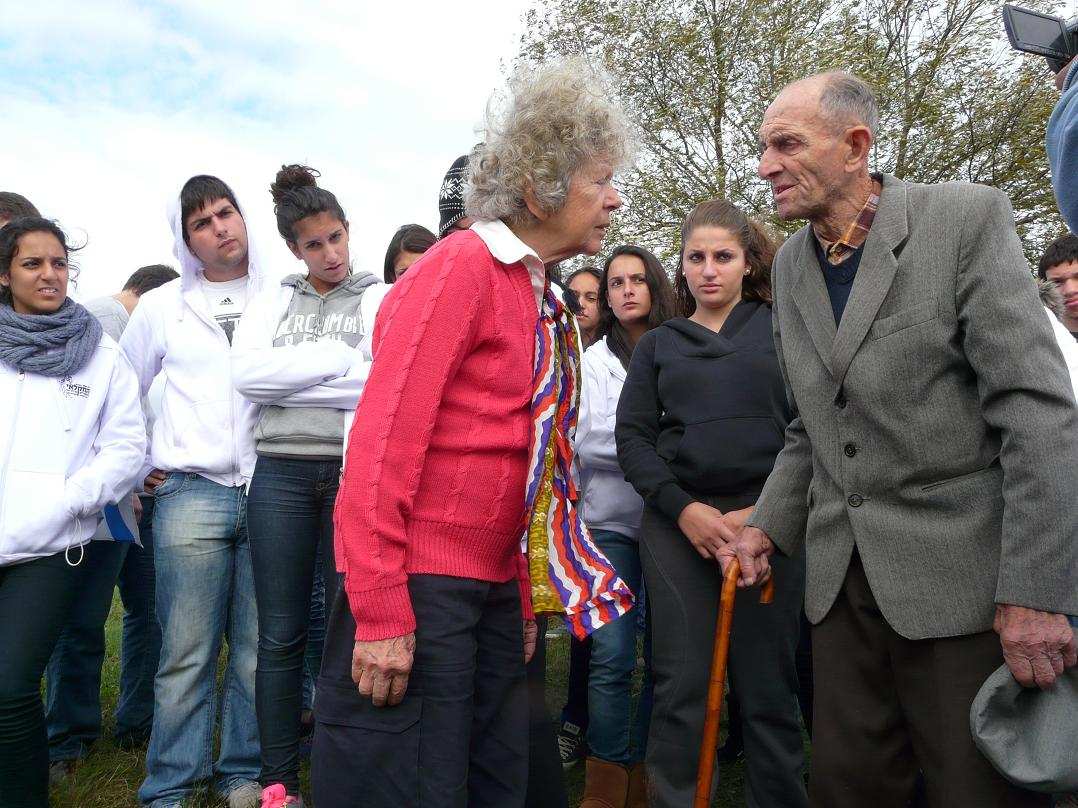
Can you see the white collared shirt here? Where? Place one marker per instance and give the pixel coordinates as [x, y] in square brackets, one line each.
[507, 248]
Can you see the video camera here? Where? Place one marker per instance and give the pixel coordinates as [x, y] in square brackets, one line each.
[1051, 37]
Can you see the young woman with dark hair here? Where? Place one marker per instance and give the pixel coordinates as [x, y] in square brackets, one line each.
[300, 356]
[75, 442]
[699, 424]
[635, 297]
[584, 284]
[407, 245]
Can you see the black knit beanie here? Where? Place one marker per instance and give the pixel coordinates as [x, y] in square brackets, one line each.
[451, 196]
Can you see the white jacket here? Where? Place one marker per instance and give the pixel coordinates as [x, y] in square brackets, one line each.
[1069, 348]
[68, 448]
[324, 373]
[609, 502]
[204, 425]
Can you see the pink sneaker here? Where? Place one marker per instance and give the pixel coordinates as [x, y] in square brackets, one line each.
[276, 797]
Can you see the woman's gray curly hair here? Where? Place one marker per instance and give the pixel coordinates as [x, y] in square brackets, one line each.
[557, 120]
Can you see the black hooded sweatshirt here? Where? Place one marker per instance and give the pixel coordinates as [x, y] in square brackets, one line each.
[702, 412]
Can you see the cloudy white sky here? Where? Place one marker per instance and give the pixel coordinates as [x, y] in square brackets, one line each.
[109, 105]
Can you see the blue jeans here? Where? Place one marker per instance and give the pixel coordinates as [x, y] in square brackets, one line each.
[141, 648]
[316, 631]
[614, 734]
[205, 595]
[290, 517]
[73, 677]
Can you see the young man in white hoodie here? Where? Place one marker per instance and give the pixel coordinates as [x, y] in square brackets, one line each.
[201, 457]
[73, 678]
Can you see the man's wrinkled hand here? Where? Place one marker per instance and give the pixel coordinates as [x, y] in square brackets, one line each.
[531, 637]
[380, 668]
[1037, 646]
[752, 548]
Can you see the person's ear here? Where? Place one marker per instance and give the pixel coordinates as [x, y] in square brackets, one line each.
[295, 249]
[859, 143]
[532, 203]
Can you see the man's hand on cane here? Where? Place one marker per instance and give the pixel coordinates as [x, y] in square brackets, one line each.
[751, 547]
[380, 668]
[1037, 646]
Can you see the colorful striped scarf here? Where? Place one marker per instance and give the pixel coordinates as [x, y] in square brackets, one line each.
[569, 575]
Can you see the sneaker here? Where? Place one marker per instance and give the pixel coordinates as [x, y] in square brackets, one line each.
[246, 795]
[275, 797]
[59, 771]
[571, 745]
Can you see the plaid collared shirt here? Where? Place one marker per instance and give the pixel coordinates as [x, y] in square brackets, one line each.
[855, 235]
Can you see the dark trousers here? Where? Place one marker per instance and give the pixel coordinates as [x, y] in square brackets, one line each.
[459, 739]
[576, 690]
[886, 707]
[546, 782]
[804, 672]
[73, 676]
[34, 601]
[140, 650]
[683, 590]
[289, 519]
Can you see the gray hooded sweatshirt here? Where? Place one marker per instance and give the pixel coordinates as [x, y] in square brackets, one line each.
[312, 432]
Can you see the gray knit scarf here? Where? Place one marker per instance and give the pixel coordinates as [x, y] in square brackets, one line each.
[57, 344]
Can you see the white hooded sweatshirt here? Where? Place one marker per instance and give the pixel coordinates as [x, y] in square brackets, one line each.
[609, 502]
[1069, 347]
[204, 425]
[68, 448]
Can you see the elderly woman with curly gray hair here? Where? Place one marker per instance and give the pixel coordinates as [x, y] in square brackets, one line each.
[455, 521]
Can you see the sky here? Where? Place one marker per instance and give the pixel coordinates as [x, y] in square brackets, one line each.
[110, 105]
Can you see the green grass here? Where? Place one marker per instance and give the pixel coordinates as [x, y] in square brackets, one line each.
[110, 777]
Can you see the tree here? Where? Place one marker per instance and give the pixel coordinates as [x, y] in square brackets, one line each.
[697, 75]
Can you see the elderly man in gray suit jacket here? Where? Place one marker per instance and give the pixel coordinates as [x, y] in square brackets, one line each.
[930, 470]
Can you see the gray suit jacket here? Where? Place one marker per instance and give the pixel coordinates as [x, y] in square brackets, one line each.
[936, 429]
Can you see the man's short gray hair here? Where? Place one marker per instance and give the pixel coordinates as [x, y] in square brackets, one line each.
[556, 120]
[846, 97]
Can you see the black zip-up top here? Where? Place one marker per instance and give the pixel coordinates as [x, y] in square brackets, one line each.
[702, 412]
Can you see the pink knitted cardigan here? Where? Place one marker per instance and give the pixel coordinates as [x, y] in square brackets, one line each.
[437, 457]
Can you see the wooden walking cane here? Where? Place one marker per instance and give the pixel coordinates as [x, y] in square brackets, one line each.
[716, 686]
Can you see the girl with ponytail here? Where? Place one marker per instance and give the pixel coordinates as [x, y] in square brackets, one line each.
[300, 356]
[699, 423]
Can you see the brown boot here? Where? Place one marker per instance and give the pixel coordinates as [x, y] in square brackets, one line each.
[606, 784]
[638, 787]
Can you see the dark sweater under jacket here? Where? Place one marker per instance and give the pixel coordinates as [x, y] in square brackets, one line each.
[700, 412]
